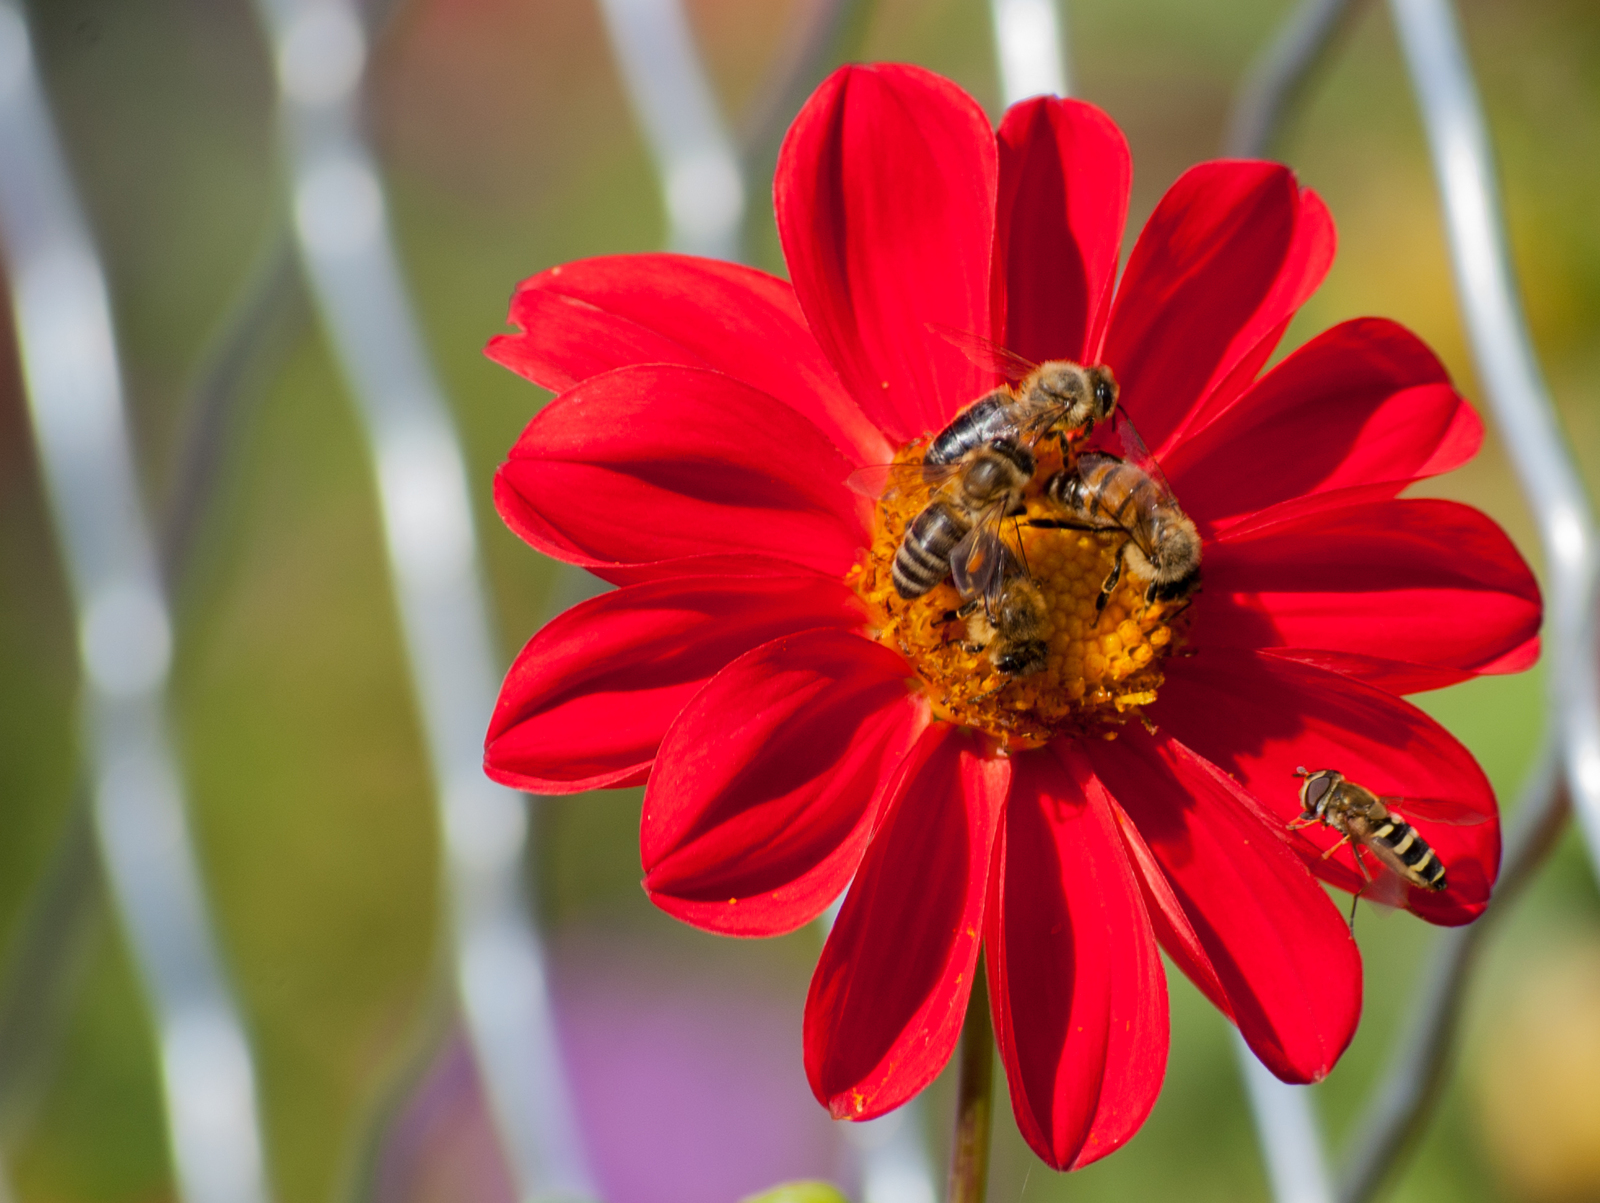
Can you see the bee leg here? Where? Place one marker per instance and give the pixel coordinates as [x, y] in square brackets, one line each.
[1110, 587]
[1178, 609]
[963, 612]
[1061, 524]
[994, 689]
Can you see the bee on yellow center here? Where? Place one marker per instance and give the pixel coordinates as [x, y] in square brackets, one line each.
[1087, 667]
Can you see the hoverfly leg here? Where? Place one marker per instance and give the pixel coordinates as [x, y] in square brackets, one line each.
[1340, 845]
[1356, 897]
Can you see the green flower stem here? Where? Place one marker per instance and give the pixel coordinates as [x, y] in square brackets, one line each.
[969, 1151]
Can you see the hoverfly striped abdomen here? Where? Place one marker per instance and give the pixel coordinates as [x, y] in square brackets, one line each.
[1422, 865]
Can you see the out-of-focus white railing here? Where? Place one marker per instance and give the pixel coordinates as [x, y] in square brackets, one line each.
[1030, 44]
[704, 190]
[1569, 765]
[342, 228]
[677, 110]
[1486, 290]
[1286, 1124]
[74, 387]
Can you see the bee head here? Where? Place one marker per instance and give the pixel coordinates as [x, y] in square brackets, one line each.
[1177, 549]
[1064, 386]
[996, 468]
[1103, 388]
[1318, 785]
[1021, 610]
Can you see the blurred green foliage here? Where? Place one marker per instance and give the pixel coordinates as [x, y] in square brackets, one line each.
[509, 148]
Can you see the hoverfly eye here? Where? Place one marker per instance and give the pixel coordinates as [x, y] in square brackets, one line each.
[1317, 787]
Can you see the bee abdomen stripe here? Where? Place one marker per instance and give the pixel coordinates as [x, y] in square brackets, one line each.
[922, 556]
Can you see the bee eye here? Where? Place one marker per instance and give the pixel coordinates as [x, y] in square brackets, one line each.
[1104, 395]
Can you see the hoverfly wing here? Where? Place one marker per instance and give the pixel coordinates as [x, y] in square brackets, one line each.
[1434, 810]
[1387, 889]
[985, 353]
[1135, 451]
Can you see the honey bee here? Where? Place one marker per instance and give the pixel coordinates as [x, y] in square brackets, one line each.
[958, 531]
[1101, 492]
[1009, 629]
[1362, 820]
[1051, 399]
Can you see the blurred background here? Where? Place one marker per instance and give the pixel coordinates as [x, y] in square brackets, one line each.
[507, 144]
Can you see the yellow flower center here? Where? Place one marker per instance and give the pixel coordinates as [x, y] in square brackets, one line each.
[1100, 666]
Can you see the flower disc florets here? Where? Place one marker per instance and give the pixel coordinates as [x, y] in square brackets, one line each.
[1102, 666]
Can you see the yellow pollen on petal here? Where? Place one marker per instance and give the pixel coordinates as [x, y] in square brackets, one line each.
[1101, 667]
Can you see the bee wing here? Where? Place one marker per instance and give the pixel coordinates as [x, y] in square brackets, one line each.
[978, 564]
[889, 480]
[1435, 810]
[1135, 451]
[984, 352]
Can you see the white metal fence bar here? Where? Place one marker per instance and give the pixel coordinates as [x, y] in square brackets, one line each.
[704, 189]
[69, 358]
[1417, 1068]
[1285, 1119]
[1513, 384]
[677, 110]
[342, 230]
[1281, 73]
[1286, 1125]
[1030, 43]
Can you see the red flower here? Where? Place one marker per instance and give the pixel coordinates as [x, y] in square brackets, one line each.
[698, 454]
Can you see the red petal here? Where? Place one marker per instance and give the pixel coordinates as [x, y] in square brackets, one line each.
[1431, 584]
[763, 795]
[585, 318]
[1277, 943]
[890, 991]
[1173, 930]
[652, 463]
[1065, 172]
[1361, 404]
[588, 699]
[1080, 1001]
[885, 198]
[1260, 717]
[1230, 253]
